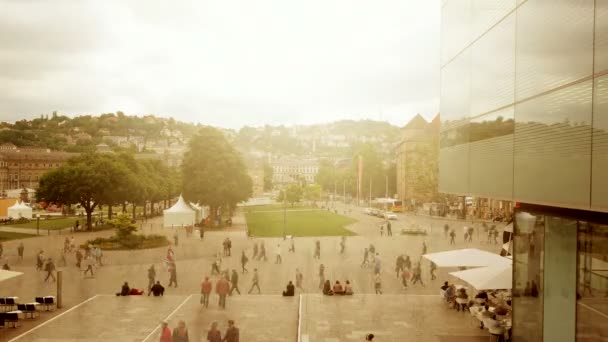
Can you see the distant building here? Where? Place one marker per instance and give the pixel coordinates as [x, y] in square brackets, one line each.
[103, 148]
[287, 170]
[23, 167]
[417, 161]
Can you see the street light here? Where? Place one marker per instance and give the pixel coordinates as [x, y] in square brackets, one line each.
[37, 224]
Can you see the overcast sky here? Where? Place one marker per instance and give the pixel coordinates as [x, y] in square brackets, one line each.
[226, 63]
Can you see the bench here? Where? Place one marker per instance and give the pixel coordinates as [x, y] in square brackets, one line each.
[28, 310]
[11, 318]
[48, 302]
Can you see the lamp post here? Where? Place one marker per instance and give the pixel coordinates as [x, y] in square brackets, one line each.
[37, 224]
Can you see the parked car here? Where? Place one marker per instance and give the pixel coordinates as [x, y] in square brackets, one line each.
[376, 212]
[390, 216]
[368, 211]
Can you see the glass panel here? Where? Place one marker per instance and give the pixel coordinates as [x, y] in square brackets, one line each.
[552, 164]
[554, 44]
[456, 91]
[559, 279]
[599, 190]
[486, 13]
[528, 277]
[491, 155]
[493, 71]
[454, 171]
[592, 308]
[601, 36]
[455, 28]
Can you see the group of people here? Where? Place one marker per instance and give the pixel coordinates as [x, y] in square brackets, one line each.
[180, 333]
[337, 289]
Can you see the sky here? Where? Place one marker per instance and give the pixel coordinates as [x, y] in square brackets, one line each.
[226, 63]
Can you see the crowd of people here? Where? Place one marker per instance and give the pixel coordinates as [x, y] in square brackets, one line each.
[180, 332]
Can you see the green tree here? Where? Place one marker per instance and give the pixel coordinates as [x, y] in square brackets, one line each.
[213, 172]
[124, 226]
[88, 180]
[292, 194]
[267, 177]
[312, 192]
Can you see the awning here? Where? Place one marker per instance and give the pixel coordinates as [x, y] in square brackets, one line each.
[488, 278]
[6, 275]
[470, 257]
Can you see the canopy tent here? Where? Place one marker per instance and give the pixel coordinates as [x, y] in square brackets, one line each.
[19, 210]
[6, 275]
[180, 214]
[488, 278]
[470, 257]
[199, 211]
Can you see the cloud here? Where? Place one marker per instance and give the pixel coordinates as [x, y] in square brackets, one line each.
[228, 63]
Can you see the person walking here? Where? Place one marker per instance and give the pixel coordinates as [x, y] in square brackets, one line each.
[399, 264]
[175, 238]
[232, 333]
[262, 252]
[277, 252]
[417, 277]
[452, 237]
[408, 263]
[49, 268]
[470, 233]
[79, 257]
[317, 254]
[446, 229]
[40, 260]
[405, 275]
[377, 264]
[424, 247]
[378, 283]
[20, 250]
[255, 251]
[255, 281]
[98, 255]
[222, 288]
[433, 269]
[244, 261]
[321, 276]
[299, 279]
[180, 333]
[342, 244]
[172, 275]
[88, 263]
[205, 291]
[214, 335]
[165, 332]
[381, 230]
[234, 281]
[389, 230]
[292, 245]
[365, 262]
[229, 246]
[151, 277]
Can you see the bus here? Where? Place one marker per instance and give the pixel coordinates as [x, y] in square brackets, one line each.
[397, 206]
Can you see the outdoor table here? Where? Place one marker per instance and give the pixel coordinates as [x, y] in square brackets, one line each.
[18, 312]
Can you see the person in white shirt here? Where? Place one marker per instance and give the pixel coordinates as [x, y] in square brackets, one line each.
[278, 253]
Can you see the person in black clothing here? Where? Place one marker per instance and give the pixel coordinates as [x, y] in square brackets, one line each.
[445, 286]
[125, 290]
[157, 289]
[290, 291]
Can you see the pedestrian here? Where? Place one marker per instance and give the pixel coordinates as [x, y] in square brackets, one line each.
[214, 335]
[470, 233]
[321, 276]
[157, 289]
[446, 229]
[255, 281]
[405, 275]
[495, 235]
[79, 257]
[205, 291]
[244, 261]
[277, 251]
[62, 261]
[151, 276]
[40, 260]
[465, 230]
[417, 277]
[229, 246]
[262, 252]
[20, 249]
[452, 237]
[232, 333]
[378, 283]
[175, 238]
[172, 275]
[88, 262]
[72, 243]
[372, 249]
[377, 264]
[317, 254]
[222, 288]
[381, 230]
[342, 244]
[180, 334]
[66, 244]
[234, 281]
[170, 255]
[389, 230]
[365, 262]
[424, 248]
[49, 268]
[292, 245]
[399, 264]
[299, 279]
[408, 263]
[432, 270]
[215, 268]
[255, 251]
[225, 246]
[165, 332]
[99, 255]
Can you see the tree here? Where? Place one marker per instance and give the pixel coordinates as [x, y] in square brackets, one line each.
[267, 177]
[213, 172]
[292, 194]
[88, 180]
[312, 192]
[124, 226]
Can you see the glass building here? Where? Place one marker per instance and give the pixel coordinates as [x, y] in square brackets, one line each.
[524, 109]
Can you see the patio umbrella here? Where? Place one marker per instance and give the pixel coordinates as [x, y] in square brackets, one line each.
[469, 257]
[488, 278]
[5, 275]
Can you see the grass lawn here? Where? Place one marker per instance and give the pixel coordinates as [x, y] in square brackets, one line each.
[52, 223]
[5, 236]
[267, 223]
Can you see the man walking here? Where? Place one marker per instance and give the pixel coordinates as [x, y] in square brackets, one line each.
[389, 231]
[317, 254]
[446, 229]
[292, 245]
[221, 288]
[432, 270]
[377, 264]
[205, 291]
[232, 333]
[321, 276]
[255, 281]
[342, 244]
[365, 262]
[299, 279]
[234, 281]
[255, 251]
[452, 237]
[20, 250]
[172, 275]
[88, 262]
[399, 264]
[151, 277]
[378, 283]
[262, 252]
[229, 246]
[417, 275]
[278, 254]
[49, 268]
[244, 261]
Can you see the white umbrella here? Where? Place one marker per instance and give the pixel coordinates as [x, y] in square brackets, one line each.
[470, 257]
[488, 278]
[6, 275]
[509, 228]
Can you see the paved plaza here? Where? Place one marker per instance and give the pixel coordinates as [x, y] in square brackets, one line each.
[194, 258]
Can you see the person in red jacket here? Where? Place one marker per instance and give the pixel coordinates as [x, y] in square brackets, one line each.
[221, 288]
[165, 332]
[205, 291]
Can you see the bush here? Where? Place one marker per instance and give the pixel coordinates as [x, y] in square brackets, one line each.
[130, 242]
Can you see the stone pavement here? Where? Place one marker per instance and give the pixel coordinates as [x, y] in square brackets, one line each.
[194, 258]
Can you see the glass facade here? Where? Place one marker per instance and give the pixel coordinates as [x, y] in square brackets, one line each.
[524, 97]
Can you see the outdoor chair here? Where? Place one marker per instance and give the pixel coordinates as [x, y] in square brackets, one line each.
[2, 319]
[11, 319]
[28, 310]
[49, 302]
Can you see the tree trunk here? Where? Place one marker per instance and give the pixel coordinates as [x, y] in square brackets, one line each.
[134, 211]
[124, 207]
[145, 211]
[109, 212]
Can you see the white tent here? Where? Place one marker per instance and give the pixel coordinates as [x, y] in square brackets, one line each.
[19, 210]
[199, 211]
[470, 257]
[180, 214]
[6, 275]
[488, 278]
